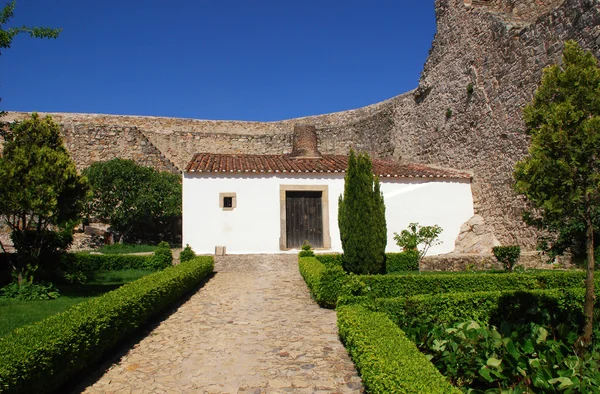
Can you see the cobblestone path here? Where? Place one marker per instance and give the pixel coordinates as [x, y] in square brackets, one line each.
[252, 328]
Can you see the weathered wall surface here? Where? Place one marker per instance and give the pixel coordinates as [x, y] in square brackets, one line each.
[498, 46]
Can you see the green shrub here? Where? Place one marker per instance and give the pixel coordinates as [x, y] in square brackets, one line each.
[484, 307]
[325, 283]
[330, 259]
[306, 250]
[29, 291]
[387, 361]
[385, 286]
[40, 357]
[404, 261]
[507, 255]
[79, 267]
[162, 258]
[186, 254]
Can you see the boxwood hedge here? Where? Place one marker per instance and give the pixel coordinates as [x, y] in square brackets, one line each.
[486, 307]
[40, 357]
[86, 262]
[387, 361]
[328, 282]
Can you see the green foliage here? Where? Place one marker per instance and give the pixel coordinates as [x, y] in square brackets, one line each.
[361, 218]
[186, 254]
[40, 357]
[523, 357]
[120, 248]
[507, 255]
[387, 361]
[448, 113]
[28, 291]
[560, 176]
[470, 89]
[404, 261]
[415, 235]
[330, 259]
[162, 258]
[306, 250]
[484, 307]
[7, 35]
[139, 202]
[81, 267]
[40, 190]
[325, 282]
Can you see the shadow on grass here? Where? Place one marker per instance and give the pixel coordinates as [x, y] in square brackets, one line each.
[92, 373]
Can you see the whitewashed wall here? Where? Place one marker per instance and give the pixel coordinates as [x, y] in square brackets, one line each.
[254, 225]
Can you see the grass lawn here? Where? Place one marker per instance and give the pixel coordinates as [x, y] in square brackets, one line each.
[15, 314]
[126, 248]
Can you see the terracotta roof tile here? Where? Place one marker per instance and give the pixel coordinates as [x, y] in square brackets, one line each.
[238, 163]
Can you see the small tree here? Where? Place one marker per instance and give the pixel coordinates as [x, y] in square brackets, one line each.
[507, 256]
[136, 200]
[40, 191]
[186, 254]
[560, 177]
[361, 218]
[415, 235]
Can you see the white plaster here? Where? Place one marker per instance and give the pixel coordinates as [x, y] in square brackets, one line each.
[254, 225]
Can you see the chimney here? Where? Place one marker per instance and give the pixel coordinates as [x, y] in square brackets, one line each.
[305, 142]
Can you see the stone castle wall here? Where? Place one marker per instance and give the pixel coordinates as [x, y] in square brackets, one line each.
[499, 47]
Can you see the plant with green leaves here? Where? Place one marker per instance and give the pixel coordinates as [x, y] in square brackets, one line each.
[8, 34]
[186, 254]
[361, 218]
[507, 255]
[560, 176]
[162, 258]
[416, 235]
[306, 250]
[40, 191]
[139, 202]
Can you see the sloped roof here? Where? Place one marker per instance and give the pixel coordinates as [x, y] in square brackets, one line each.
[242, 163]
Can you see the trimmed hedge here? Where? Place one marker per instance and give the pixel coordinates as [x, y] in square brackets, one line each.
[71, 262]
[387, 286]
[386, 359]
[40, 357]
[403, 261]
[486, 307]
[325, 282]
[328, 282]
[330, 259]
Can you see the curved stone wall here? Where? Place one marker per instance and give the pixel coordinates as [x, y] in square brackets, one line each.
[484, 66]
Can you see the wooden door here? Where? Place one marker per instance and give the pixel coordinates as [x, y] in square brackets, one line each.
[303, 218]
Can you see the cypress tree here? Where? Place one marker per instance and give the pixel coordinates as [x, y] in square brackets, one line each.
[361, 218]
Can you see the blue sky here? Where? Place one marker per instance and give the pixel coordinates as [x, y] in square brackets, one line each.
[234, 60]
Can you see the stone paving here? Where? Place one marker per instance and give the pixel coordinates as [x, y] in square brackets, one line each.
[252, 328]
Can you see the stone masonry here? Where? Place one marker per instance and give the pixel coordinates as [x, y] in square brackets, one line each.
[484, 66]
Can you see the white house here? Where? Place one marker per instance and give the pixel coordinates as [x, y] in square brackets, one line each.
[272, 203]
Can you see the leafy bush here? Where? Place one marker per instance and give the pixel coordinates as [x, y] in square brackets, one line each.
[186, 254]
[522, 357]
[306, 250]
[387, 361]
[361, 218]
[162, 258]
[330, 259]
[39, 358]
[325, 283]
[404, 261]
[119, 248]
[79, 267]
[29, 291]
[415, 235]
[507, 255]
[484, 307]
